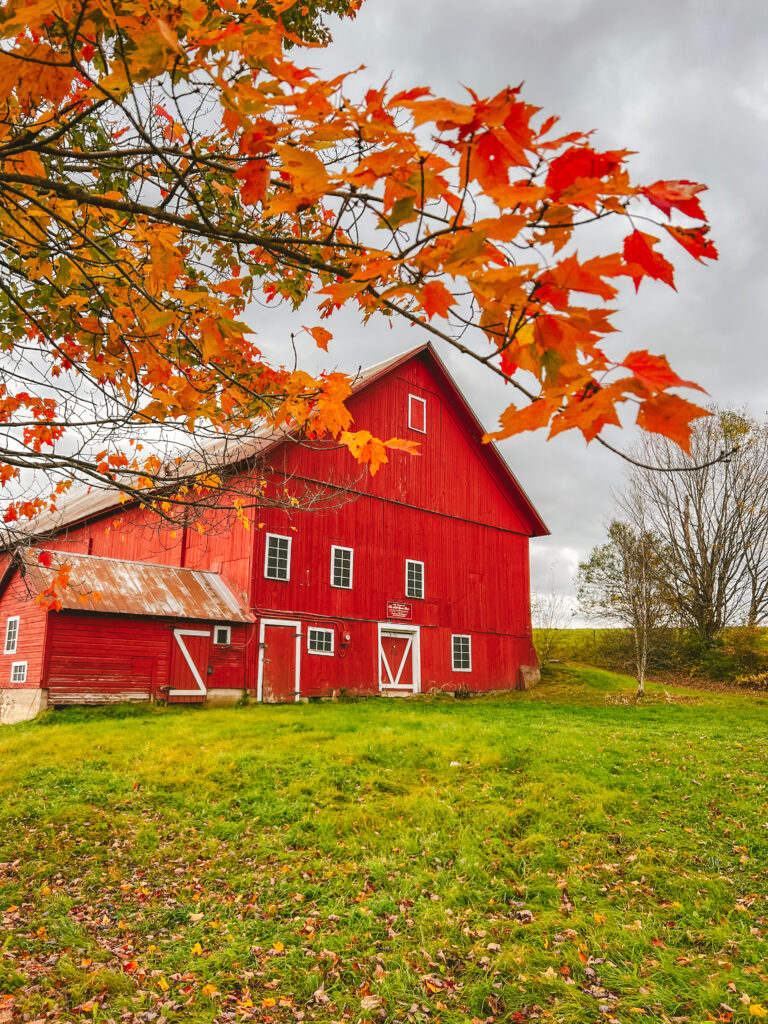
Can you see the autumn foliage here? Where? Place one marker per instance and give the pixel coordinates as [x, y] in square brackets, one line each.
[164, 162]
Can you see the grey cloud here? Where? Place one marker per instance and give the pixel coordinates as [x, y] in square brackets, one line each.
[684, 83]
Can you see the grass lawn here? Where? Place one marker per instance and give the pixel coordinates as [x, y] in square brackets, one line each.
[561, 855]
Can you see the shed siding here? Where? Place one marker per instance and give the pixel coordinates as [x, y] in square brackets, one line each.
[112, 657]
[16, 601]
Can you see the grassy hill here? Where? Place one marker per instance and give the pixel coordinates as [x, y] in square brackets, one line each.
[562, 855]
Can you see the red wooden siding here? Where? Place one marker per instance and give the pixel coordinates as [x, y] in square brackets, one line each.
[131, 658]
[30, 647]
[115, 657]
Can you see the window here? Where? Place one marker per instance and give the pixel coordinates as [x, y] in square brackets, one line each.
[414, 579]
[19, 672]
[222, 635]
[417, 413]
[11, 634]
[341, 567]
[277, 560]
[319, 641]
[462, 653]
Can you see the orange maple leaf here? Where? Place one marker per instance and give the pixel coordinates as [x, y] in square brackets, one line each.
[321, 336]
[671, 416]
[436, 299]
[655, 372]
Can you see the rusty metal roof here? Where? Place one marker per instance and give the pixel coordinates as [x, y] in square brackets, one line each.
[133, 588]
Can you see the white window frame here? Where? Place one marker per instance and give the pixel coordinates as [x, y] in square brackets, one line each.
[334, 549]
[20, 665]
[415, 597]
[222, 629]
[11, 647]
[468, 638]
[277, 536]
[423, 403]
[320, 629]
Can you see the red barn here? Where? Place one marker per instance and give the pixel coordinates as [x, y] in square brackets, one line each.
[414, 580]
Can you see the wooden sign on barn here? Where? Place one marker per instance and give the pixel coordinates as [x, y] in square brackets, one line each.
[415, 580]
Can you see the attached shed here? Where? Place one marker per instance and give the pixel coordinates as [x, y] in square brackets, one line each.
[121, 630]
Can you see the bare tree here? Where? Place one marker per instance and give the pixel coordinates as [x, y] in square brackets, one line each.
[713, 517]
[550, 616]
[623, 582]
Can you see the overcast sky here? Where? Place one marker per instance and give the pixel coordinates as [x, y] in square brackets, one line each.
[682, 82]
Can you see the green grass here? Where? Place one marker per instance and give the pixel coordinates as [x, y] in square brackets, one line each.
[587, 858]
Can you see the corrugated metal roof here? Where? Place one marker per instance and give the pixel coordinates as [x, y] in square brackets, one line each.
[134, 588]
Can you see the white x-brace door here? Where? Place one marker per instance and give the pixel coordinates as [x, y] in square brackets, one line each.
[201, 690]
[392, 670]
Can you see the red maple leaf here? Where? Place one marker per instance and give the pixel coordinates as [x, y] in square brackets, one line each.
[679, 195]
[644, 262]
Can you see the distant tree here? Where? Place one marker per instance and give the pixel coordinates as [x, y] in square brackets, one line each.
[623, 582]
[714, 518]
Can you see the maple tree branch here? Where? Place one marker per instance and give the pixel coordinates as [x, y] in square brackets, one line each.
[721, 457]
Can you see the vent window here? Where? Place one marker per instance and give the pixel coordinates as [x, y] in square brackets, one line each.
[222, 636]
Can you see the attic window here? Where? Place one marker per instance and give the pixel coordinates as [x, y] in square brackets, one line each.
[222, 636]
[417, 413]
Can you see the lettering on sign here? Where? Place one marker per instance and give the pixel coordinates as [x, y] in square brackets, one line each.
[399, 610]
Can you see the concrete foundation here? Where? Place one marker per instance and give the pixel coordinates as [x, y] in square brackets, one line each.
[224, 698]
[21, 704]
[530, 675]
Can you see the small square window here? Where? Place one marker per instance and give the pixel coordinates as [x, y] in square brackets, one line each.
[277, 557]
[19, 672]
[319, 641]
[461, 652]
[222, 636]
[417, 413]
[414, 579]
[11, 635]
[341, 567]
